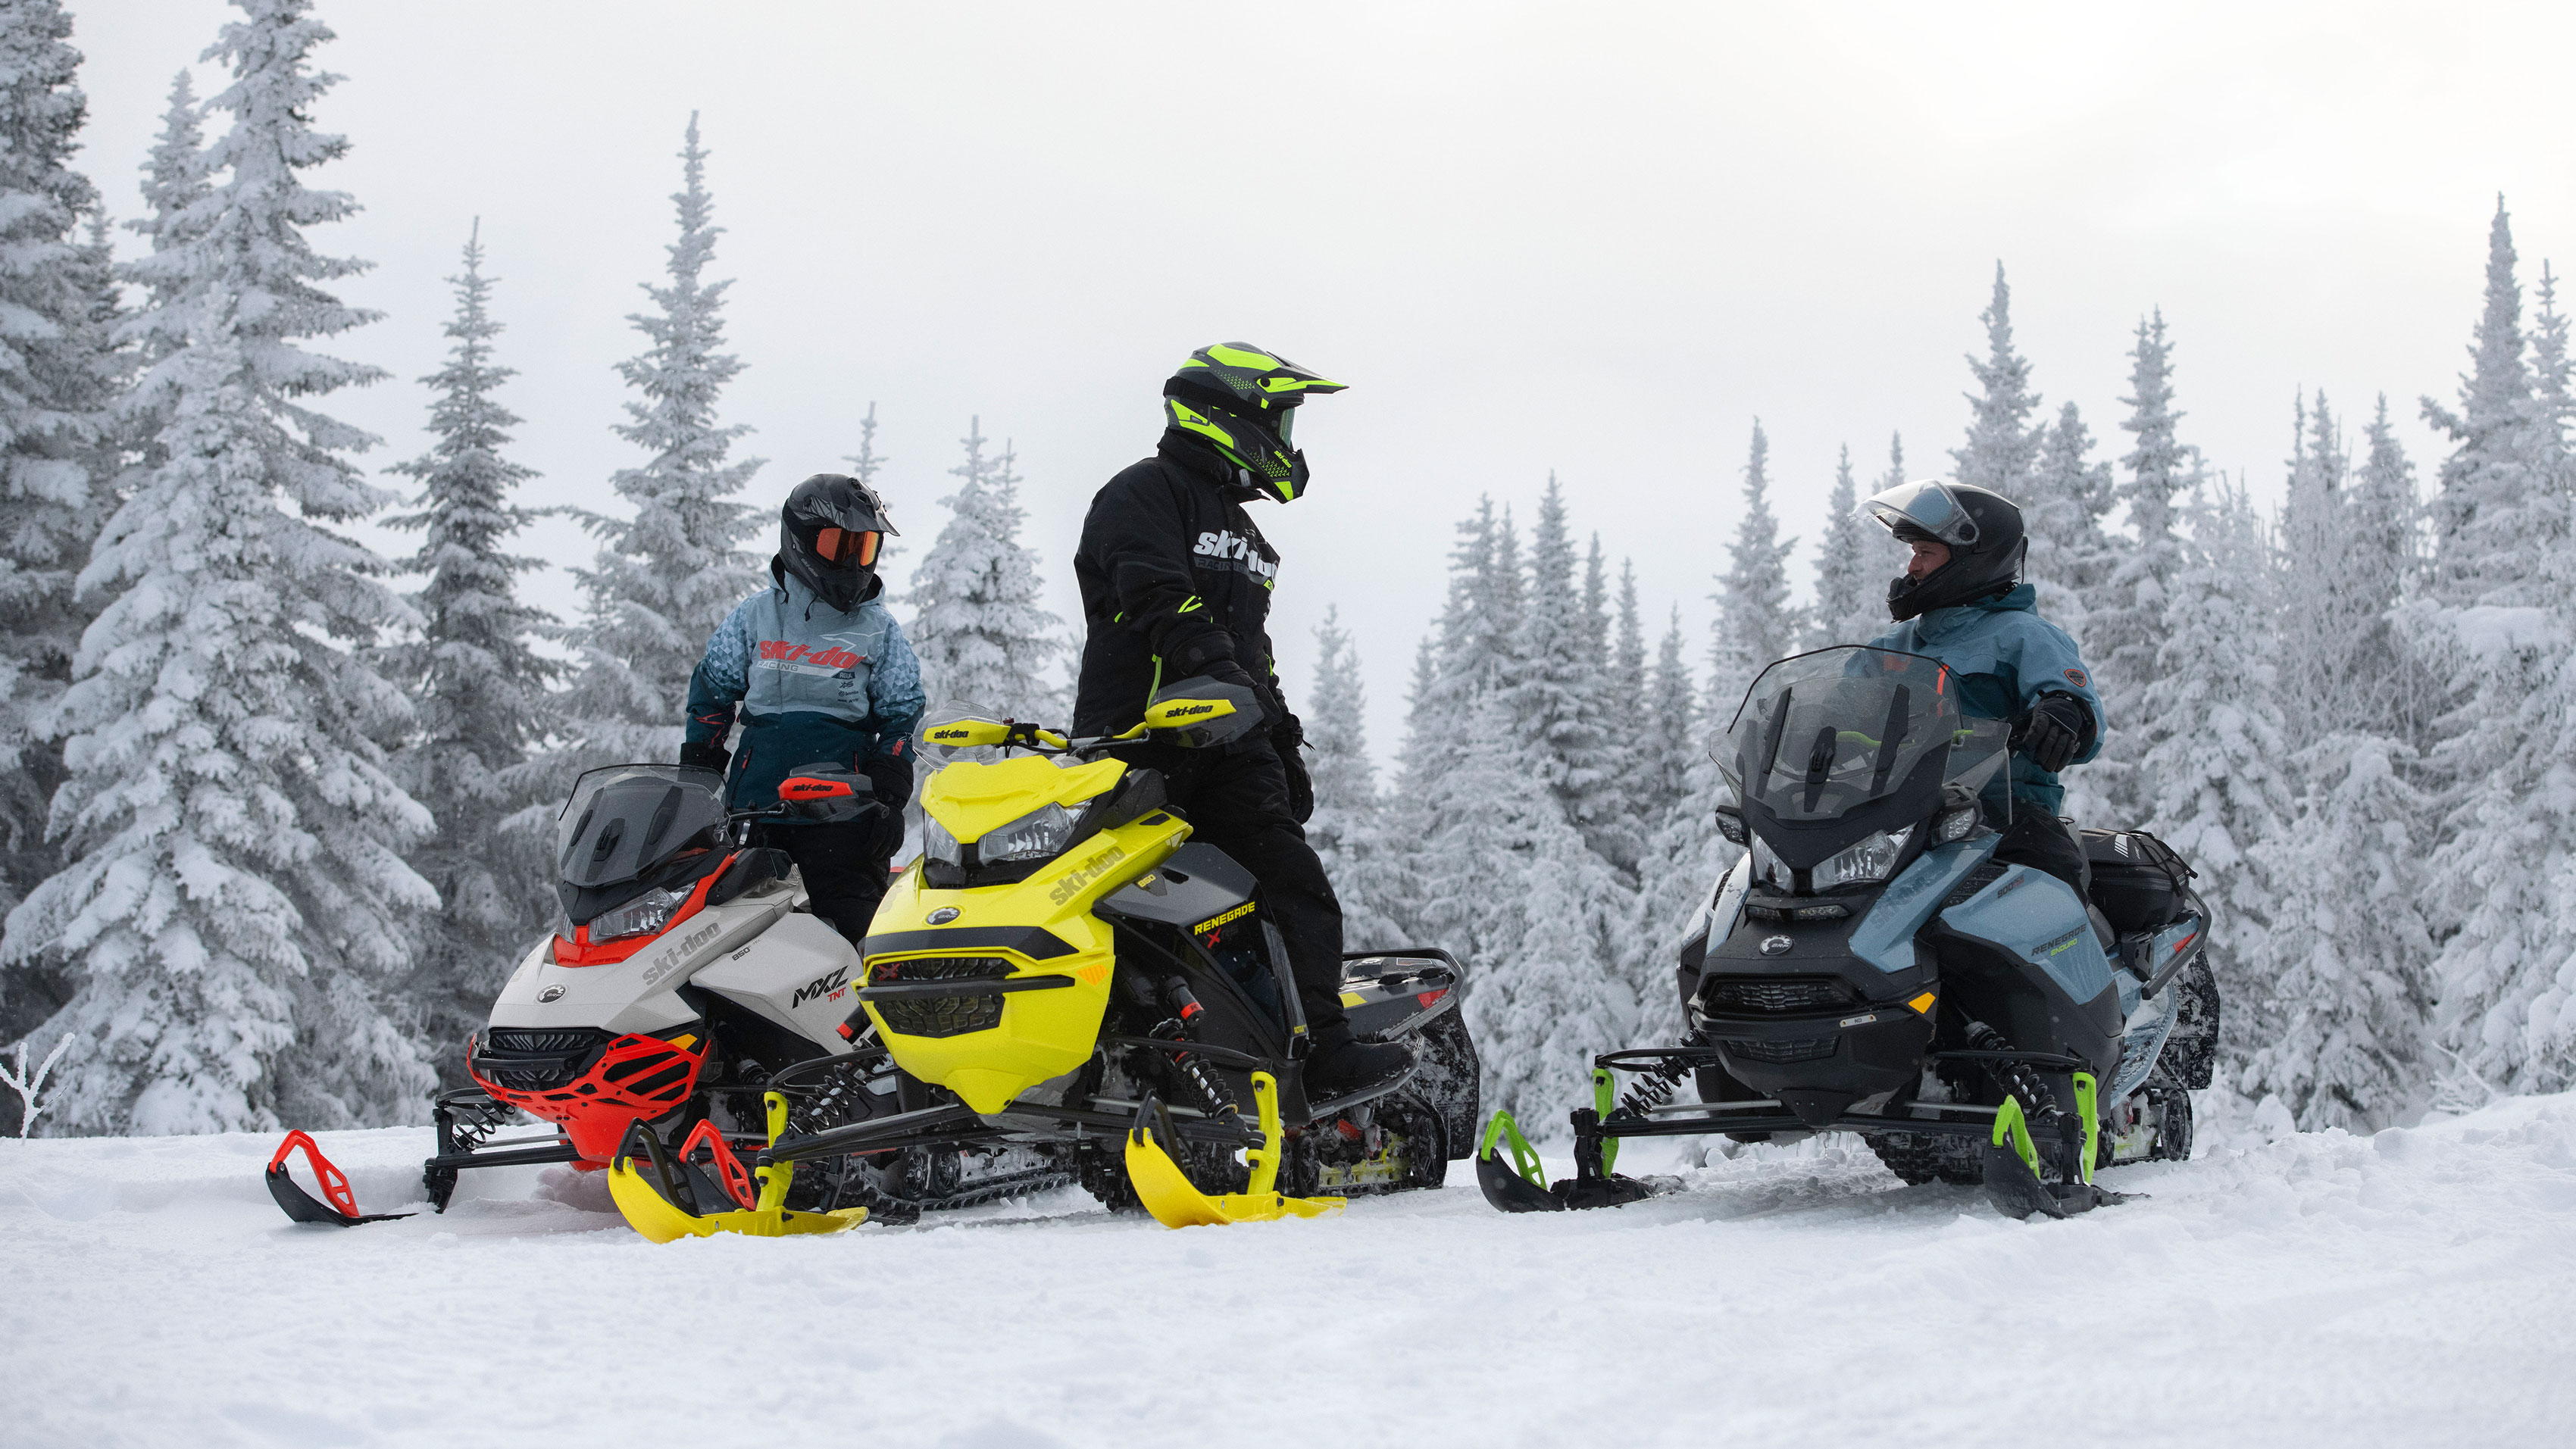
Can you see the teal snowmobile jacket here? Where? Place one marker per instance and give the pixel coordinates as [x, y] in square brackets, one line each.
[2006, 657]
[812, 684]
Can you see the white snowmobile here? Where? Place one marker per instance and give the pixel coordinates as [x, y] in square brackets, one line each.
[688, 994]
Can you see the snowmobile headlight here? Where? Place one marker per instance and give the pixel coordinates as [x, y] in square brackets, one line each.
[1872, 858]
[1768, 868]
[641, 916]
[1042, 834]
[938, 844]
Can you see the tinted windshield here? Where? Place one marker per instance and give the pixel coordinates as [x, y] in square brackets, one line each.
[1822, 734]
[624, 820]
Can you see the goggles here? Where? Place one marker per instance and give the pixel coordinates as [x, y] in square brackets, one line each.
[1929, 508]
[846, 546]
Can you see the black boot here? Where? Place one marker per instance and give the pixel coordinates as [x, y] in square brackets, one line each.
[1342, 1064]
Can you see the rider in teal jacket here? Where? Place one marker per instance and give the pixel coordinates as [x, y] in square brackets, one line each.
[1961, 601]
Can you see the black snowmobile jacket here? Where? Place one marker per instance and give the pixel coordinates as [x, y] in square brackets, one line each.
[1174, 578]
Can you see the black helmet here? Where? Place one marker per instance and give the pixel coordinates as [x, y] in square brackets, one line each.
[1981, 528]
[829, 535]
[1238, 399]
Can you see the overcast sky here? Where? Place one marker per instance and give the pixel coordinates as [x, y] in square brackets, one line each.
[1595, 239]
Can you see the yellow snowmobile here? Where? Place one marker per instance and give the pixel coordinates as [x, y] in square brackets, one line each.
[1062, 970]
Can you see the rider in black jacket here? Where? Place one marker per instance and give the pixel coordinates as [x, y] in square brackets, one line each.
[1176, 583]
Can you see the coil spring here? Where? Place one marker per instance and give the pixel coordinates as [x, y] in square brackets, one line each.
[1653, 1088]
[1211, 1092]
[2037, 1103]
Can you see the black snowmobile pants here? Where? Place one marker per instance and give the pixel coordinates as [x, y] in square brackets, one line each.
[844, 867]
[2043, 842]
[1237, 801]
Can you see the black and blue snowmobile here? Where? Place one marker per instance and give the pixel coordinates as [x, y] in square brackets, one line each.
[1869, 967]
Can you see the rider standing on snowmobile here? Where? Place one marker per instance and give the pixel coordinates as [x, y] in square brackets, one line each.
[1176, 584]
[821, 673]
[1961, 601]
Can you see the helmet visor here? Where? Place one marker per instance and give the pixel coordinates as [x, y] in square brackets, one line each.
[1927, 507]
[842, 546]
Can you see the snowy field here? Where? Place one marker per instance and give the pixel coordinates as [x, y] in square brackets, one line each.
[2412, 1288]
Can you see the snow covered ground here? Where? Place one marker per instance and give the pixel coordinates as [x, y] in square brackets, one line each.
[2411, 1288]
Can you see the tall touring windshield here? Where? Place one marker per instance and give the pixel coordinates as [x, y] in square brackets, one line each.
[1821, 735]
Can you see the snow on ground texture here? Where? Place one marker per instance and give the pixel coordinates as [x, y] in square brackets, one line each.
[2408, 1288]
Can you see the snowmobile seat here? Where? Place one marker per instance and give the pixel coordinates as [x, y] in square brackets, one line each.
[2102, 931]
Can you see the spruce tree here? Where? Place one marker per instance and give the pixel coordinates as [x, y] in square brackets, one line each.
[2002, 445]
[480, 688]
[2062, 507]
[2348, 953]
[2213, 765]
[237, 908]
[1684, 852]
[976, 623]
[57, 371]
[2318, 622]
[2125, 618]
[1853, 564]
[1556, 701]
[2494, 519]
[2393, 691]
[667, 575]
[1346, 827]
[1756, 623]
[1630, 811]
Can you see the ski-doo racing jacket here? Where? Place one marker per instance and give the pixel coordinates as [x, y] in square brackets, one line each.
[1174, 578]
[2006, 657]
[812, 684]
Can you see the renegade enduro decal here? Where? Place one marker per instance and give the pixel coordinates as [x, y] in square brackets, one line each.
[1203, 927]
[826, 986]
[1071, 886]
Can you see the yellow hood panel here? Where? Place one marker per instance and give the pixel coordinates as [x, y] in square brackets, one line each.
[970, 799]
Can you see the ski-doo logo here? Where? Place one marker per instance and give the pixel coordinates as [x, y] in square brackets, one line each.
[1190, 710]
[783, 651]
[949, 732]
[1085, 874]
[826, 987]
[1236, 550]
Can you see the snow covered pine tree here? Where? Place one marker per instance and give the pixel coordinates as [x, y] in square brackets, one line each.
[666, 577]
[479, 685]
[977, 626]
[57, 373]
[236, 905]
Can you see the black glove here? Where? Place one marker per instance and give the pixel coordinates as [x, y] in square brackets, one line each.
[706, 755]
[2055, 731]
[1301, 786]
[891, 776]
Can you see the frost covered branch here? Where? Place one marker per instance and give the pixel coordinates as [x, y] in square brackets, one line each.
[30, 1087]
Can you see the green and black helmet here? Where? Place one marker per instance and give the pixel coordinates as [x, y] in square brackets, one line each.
[1241, 400]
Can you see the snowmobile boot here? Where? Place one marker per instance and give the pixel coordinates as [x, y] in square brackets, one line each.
[1342, 1064]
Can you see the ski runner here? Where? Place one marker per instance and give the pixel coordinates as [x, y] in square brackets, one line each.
[1961, 601]
[821, 673]
[1176, 583]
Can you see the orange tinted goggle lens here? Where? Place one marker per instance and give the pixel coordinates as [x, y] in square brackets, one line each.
[840, 545]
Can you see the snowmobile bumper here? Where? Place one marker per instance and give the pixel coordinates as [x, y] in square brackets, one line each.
[666, 1196]
[1176, 1202]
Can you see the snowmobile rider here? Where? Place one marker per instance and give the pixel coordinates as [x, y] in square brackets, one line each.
[1961, 601]
[821, 673]
[1176, 584]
